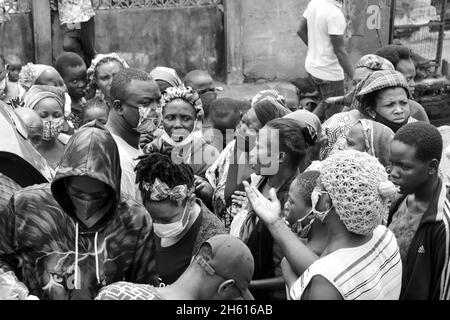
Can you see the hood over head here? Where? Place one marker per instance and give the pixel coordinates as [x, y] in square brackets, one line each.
[91, 152]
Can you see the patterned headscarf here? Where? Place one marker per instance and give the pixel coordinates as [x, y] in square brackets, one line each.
[101, 59]
[30, 73]
[168, 75]
[187, 94]
[380, 80]
[160, 191]
[40, 92]
[269, 93]
[374, 62]
[268, 109]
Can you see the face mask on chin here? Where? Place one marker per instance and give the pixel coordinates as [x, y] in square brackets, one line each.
[180, 137]
[394, 126]
[174, 229]
[303, 226]
[148, 124]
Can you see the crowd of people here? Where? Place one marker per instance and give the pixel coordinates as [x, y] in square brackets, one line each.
[143, 185]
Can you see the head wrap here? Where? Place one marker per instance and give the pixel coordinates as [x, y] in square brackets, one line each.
[269, 93]
[101, 59]
[353, 180]
[375, 63]
[268, 109]
[160, 191]
[40, 92]
[308, 120]
[168, 75]
[377, 140]
[187, 94]
[30, 73]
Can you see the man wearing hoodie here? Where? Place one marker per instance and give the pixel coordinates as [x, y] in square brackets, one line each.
[67, 239]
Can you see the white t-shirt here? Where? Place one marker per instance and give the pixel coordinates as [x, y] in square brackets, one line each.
[128, 154]
[324, 18]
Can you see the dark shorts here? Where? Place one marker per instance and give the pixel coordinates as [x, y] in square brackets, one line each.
[328, 89]
[81, 41]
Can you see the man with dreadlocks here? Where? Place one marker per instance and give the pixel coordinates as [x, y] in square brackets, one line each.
[181, 221]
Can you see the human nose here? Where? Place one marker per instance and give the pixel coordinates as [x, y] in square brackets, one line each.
[399, 108]
[393, 172]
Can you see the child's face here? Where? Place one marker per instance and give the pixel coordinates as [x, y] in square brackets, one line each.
[355, 139]
[75, 79]
[95, 114]
[295, 207]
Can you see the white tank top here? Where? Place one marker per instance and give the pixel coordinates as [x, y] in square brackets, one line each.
[372, 271]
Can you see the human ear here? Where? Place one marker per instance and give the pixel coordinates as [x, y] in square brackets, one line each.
[225, 288]
[118, 106]
[371, 113]
[433, 167]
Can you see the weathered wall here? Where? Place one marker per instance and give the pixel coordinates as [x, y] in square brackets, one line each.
[272, 49]
[184, 38]
[18, 36]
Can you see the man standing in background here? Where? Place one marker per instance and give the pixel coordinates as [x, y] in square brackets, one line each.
[78, 27]
[322, 29]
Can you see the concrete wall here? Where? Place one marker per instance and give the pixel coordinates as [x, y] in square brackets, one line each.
[184, 38]
[18, 36]
[272, 50]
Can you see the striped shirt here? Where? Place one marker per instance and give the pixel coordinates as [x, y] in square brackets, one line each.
[372, 271]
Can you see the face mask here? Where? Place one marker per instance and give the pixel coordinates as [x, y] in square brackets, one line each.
[177, 144]
[392, 125]
[146, 123]
[303, 226]
[315, 196]
[52, 128]
[87, 208]
[172, 230]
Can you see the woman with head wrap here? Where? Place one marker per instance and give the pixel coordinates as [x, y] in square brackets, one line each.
[365, 66]
[233, 165]
[166, 78]
[48, 102]
[39, 74]
[368, 136]
[383, 97]
[101, 72]
[361, 260]
[312, 131]
[182, 113]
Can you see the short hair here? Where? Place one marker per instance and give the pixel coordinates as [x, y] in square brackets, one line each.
[68, 60]
[122, 79]
[425, 137]
[190, 76]
[205, 252]
[159, 165]
[307, 182]
[96, 103]
[291, 138]
[394, 53]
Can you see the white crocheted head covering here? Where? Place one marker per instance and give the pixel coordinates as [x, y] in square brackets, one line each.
[355, 182]
[101, 59]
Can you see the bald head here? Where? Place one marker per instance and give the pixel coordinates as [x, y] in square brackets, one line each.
[198, 80]
[33, 123]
